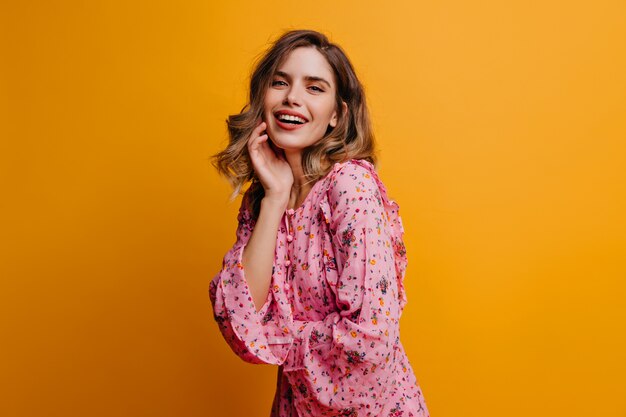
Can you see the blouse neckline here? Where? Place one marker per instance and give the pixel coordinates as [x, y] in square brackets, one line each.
[310, 195]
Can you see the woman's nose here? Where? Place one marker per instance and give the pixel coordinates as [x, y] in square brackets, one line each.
[292, 96]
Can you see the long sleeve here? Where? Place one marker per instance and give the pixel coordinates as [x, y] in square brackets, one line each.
[256, 337]
[354, 348]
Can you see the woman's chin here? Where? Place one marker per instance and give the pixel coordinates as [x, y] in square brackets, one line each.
[286, 148]
[281, 142]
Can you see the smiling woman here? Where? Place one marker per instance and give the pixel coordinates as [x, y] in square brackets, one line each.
[299, 107]
[328, 74]
[314, 282]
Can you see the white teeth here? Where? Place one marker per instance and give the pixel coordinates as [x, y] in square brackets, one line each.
[290, 117]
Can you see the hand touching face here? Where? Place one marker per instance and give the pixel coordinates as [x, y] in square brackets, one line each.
[270, 167]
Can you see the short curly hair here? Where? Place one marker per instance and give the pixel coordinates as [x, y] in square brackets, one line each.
[352, 137]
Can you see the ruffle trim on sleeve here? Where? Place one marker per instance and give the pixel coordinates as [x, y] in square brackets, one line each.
[263, 337]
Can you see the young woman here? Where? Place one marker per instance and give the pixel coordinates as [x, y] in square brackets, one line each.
[314, 282]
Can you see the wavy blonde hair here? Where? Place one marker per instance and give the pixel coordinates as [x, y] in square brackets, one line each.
[352, 137]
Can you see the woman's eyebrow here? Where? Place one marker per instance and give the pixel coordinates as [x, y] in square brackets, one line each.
[306, 77]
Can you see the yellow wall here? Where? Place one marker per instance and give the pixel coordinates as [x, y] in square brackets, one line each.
[501, 126]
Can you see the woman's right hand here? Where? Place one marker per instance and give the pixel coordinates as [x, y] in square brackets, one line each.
[272, 170]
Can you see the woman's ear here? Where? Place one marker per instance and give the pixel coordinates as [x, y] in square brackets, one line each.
[333, 120]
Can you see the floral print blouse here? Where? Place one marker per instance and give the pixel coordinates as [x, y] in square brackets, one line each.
[331, 317]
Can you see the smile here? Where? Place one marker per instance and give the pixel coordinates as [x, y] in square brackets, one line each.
[289, 122]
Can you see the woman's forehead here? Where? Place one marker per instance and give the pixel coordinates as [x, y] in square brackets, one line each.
[307, 63]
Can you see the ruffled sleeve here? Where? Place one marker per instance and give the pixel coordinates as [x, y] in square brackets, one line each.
[352, 350]
[262, 337]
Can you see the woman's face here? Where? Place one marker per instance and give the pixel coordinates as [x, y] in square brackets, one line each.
[299, 104]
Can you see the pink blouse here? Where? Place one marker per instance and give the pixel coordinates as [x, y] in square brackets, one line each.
[331, 317]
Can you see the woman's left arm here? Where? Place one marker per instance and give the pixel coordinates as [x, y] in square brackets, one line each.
[258, 336]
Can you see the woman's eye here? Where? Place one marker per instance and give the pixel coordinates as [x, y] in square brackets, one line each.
[317, 88]
[277, 82]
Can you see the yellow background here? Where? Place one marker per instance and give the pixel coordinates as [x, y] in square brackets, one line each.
[501, 127]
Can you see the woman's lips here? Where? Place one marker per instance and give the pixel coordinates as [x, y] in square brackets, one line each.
[288, 126]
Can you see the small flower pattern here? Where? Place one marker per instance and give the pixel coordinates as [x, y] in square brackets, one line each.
[331, 318]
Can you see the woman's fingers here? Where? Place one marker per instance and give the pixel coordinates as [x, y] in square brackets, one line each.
[260, 145]
[268, 161]
[262, 156]
[256, 136]
[260, 128]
